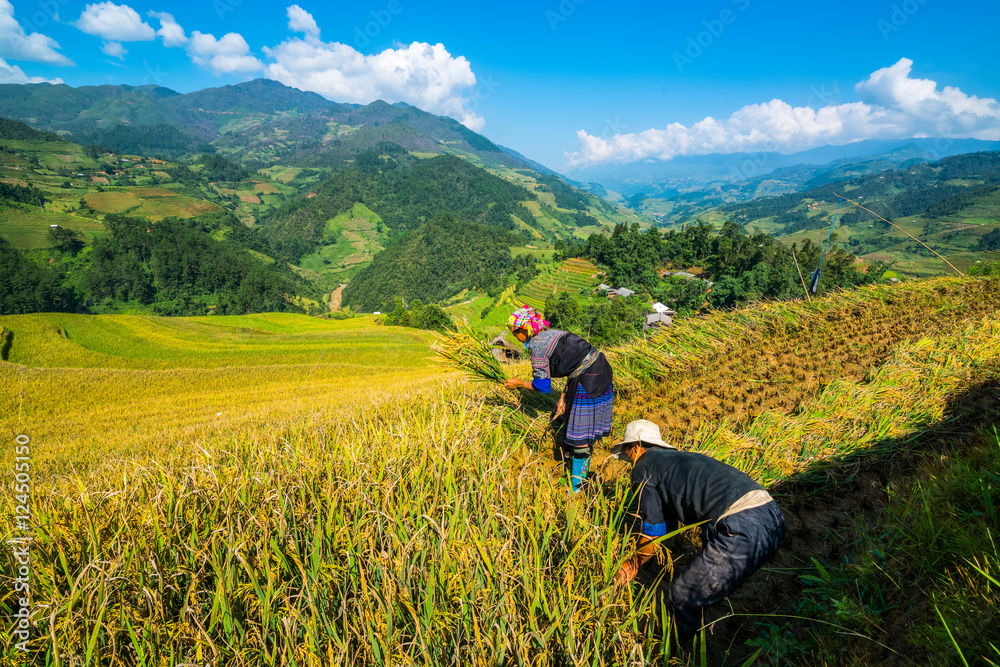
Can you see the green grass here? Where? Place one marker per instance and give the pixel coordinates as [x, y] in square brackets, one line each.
[28, 227]
[470, 307]
[52, 154]
[541, 254]
[261, 256]
[356, 238]
[281, 174]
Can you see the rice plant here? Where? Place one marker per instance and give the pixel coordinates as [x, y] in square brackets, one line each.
[415, 524]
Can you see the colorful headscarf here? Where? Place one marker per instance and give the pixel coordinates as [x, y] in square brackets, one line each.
[527, 318]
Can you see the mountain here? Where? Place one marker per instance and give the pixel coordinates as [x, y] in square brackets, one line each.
[537, 166]
[203, 114]
[952, 205]
[687, 197]
[260, 119]
[322, 186]
[265, 124]
[73, 112]
[260, 96]
[666, 178]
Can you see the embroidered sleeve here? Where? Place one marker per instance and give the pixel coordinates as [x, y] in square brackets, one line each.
[540, 348]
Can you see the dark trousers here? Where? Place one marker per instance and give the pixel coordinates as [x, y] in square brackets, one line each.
[738, 546]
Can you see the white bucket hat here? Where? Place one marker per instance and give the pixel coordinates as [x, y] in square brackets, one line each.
[640, 430]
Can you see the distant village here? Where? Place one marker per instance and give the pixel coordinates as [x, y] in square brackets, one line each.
[662, 315]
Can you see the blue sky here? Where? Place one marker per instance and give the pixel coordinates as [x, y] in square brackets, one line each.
[570, 83]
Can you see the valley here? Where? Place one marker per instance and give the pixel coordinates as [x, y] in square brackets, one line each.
[247, 332]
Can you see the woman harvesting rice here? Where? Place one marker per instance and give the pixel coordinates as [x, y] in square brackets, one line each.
[589, 394]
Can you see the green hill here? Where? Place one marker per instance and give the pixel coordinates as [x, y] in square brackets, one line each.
[438, 260]
[263, 96]
[388, 168]
[171, 267]
[260, 119]
[11, 129]
[403, 198]
[952, 205]
[161, 140]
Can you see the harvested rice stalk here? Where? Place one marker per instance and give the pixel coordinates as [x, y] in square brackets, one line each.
[464, 350]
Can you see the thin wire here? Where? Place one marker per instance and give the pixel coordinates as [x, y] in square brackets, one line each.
[828, 236]
[905, 232]
[803, 280]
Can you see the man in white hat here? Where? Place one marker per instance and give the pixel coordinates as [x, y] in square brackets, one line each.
[742, 528]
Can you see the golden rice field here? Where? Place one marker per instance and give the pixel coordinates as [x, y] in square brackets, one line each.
[151, 203]
[97, 386]
[266, 189]
[378, 509]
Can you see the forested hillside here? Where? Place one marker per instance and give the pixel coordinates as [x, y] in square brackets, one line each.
[324, 224]
[160, 140]
[174, 266]
[938, 188]
[741, 266]
[403, 197]
[259, 120]
[27, 287]
[432, 263]
[11, 129]
[952, 206]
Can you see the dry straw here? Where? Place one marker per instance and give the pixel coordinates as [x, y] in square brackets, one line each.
[420, 529]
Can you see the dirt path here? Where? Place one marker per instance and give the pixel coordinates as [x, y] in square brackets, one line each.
[336, 296]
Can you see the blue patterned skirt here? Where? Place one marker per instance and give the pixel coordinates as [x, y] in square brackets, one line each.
[589, 418]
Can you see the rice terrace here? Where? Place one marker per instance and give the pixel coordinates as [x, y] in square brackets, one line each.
[424, 524]
[557, 334]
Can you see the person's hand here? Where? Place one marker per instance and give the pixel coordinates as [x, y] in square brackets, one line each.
[627, 573]
[560, 406]
[513, 383]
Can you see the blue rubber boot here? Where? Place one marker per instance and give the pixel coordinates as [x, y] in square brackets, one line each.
[579, 473]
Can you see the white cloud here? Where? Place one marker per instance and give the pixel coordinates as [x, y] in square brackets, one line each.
[892, 105]
[299, 20]
[114, 22]
[36, 47]
[926, 110]
[421, 74]
[114, 49]
[226, 55]
[171, 32]
[14, 74]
